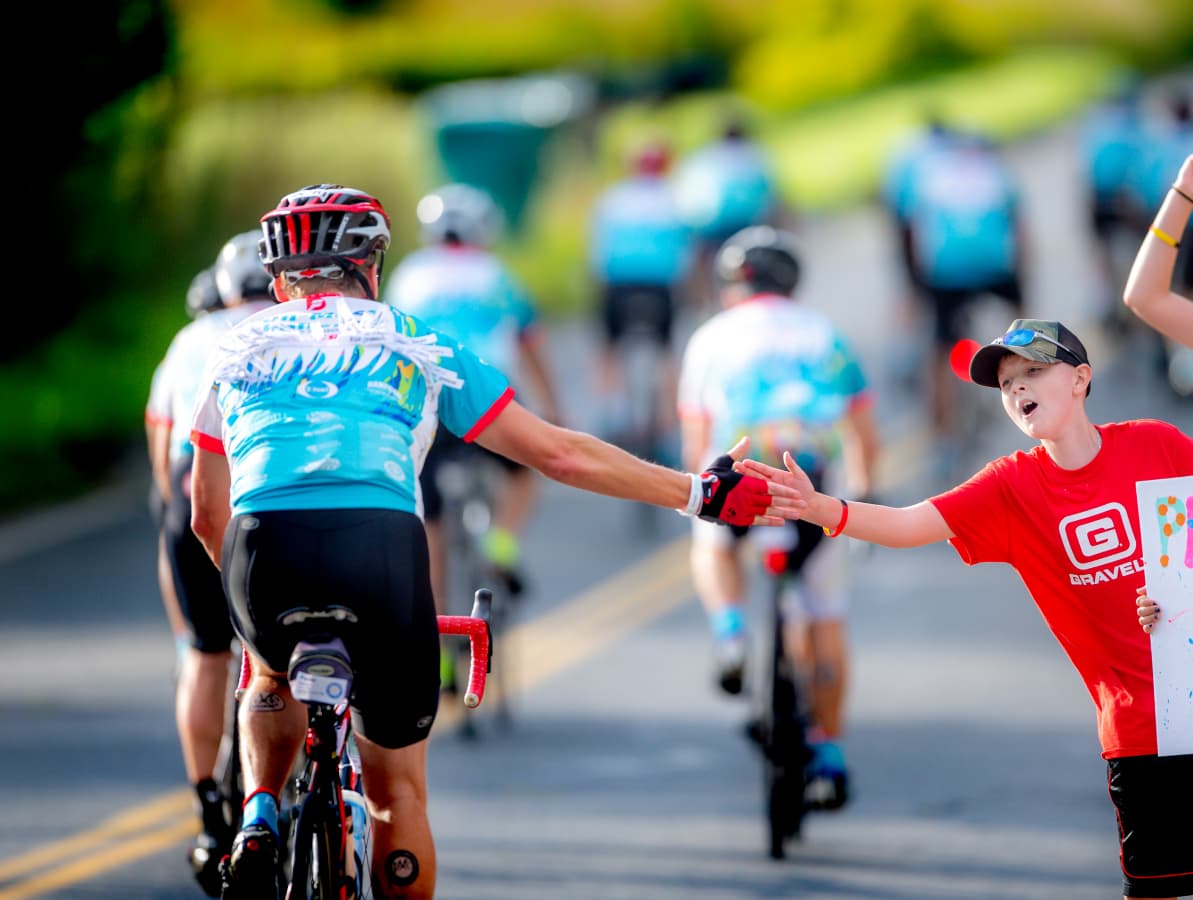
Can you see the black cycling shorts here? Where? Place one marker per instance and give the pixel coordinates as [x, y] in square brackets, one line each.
[948, 304]
[445, 447]
[805, 540]
[649, 308]
[374, 563]
[196, 579]
[1153, 799]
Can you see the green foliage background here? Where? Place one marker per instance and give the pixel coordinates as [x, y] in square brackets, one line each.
[221, 106]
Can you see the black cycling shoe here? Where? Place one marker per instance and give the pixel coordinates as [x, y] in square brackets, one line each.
[205, 856]
[250, 872]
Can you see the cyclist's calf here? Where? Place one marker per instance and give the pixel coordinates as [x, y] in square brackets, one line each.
[395, 789]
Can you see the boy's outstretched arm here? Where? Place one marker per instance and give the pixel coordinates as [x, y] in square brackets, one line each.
[908, 526]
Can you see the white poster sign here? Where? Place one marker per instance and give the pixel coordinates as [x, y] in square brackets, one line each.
[1167, 535]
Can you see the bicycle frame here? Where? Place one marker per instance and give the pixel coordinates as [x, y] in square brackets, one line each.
[322, 854]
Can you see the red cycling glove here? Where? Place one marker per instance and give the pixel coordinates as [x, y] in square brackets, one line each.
[729, 497]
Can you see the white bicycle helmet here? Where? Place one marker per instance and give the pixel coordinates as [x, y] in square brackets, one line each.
[459, 214]
[239, 273]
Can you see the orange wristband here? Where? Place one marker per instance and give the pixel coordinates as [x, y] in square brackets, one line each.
[840, 525]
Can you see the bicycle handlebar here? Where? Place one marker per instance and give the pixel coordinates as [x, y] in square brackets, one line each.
[476, 627]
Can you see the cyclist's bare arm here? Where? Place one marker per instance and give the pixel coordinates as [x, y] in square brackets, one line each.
[908, 526]
[157, 436]
[586, 462]
[862, 448]
[210, 507]
[694, 440]
[531, 343]
[1149, 291]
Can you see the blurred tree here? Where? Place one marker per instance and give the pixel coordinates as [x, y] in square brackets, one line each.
[105, 51]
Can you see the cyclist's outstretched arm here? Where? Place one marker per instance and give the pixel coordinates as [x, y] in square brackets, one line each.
[1149, 293]
[908, 526]
[586, 462]
[210, 507]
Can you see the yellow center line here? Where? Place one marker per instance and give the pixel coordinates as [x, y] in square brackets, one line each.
[562, 637]
[166, 807]
[104, 859]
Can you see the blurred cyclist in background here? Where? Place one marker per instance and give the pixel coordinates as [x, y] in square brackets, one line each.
[721, 188]
[311, 429]
[460, 288]
[241, 288]
[1111, 137]
[782, 374]
[967, 242]
[640, 253]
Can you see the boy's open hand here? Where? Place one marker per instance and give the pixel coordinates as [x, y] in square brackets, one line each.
[1149, 613]
[794, 478]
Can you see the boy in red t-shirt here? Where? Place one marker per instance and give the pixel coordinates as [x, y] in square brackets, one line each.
[1065, 516]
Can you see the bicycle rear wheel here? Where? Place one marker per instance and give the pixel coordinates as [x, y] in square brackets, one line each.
[784, 743]
[316, 871]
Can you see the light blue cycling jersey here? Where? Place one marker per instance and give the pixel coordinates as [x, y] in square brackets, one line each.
[776, 371]
[723, 188]
[177, 382]
[637, 235]
[1165, 146]
[962, 218]
[467, 294]
[1110, 145]
[333, 402]
[898, 186]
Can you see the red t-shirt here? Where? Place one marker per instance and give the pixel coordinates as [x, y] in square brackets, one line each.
[1073, 537]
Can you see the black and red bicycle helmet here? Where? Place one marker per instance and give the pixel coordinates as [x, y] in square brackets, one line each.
[324, 227]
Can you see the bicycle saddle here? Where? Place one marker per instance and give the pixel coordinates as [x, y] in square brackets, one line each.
[320, 672]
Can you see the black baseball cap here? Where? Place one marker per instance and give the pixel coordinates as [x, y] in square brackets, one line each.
[1046, 342]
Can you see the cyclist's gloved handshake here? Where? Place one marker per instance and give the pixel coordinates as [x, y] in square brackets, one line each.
[730, 498]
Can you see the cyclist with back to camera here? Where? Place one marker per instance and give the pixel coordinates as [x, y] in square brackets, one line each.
[309, 439]
[242, 288]
[458, 287]
[723, 187]
[790, 382]
[640, 254]
[967, 241]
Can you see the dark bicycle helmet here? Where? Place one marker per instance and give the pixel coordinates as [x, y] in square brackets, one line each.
[322, 230]
[238, 270]
[459, 214]
[760, 257]
[203, 296]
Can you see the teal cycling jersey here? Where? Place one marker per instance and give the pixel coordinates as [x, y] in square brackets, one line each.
[723, 188]
[963, 219]
[638, 237]
[1164, 148]
[467, 294]
[776, 371]
[332, 402]
[1110, 146]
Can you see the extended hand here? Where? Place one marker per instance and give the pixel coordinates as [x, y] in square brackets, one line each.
[1184, 178]
[1149, 613]
[735, 498]
[794, 477]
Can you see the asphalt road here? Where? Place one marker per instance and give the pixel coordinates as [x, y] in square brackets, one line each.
[624, 775]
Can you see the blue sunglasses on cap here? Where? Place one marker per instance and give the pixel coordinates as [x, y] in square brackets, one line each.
[1021, 337]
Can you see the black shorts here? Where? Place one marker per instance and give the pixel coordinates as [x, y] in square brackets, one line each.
[449, 447]
[948, 304]
[196, 579]
[372, 561]
[806, 539]
[649, 308]
[1153, 799]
